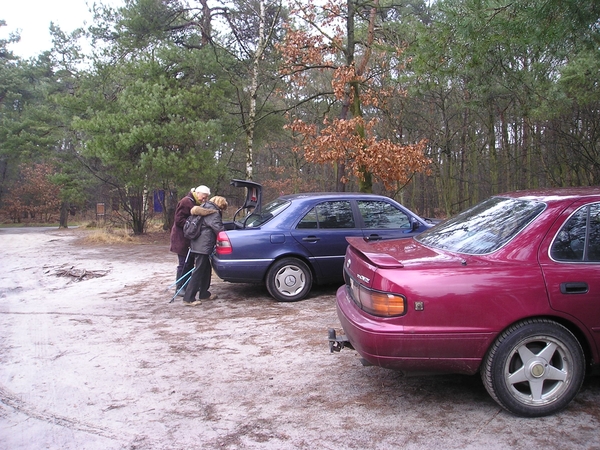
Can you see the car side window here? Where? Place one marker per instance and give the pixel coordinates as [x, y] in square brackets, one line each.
[309, 221]
[337, 214]
[378, 214]
[579, 238]
[593, 253]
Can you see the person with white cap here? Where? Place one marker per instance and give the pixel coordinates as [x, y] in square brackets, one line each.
[179, 244]
[201, 247]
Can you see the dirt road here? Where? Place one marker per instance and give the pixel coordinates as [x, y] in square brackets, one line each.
[93, 356]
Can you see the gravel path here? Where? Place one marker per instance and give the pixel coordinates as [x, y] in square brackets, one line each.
[104, 361]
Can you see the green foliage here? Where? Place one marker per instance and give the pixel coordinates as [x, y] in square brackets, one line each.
[580, 79]
[30, 127]
[154, 123]
[144, 23]
[164, 120]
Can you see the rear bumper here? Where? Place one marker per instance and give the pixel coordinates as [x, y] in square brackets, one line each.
[386, 343]
[241, 271]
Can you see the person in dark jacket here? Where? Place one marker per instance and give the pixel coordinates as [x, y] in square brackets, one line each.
[179, 244]
[202, 247]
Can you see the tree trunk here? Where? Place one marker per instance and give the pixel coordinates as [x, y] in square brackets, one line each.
[250, 125]
[64, 214]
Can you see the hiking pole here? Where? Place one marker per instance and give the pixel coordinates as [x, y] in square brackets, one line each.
[180, 279]
[183, 276]
[182, 287]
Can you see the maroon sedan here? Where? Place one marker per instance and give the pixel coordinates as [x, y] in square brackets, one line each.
[509, 288]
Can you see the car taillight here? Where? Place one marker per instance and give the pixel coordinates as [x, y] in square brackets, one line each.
[223, 244]
[383, 304]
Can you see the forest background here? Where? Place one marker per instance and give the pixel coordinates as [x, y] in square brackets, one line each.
[437, 104]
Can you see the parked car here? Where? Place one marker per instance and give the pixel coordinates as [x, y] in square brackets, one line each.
[297, 240]
[509, 288]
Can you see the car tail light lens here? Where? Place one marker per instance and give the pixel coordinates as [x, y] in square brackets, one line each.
[223, 244]
[383, 304]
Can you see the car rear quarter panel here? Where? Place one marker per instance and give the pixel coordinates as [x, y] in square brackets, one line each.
[387, 345]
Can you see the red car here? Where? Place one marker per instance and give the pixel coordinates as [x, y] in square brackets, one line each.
[509, 288]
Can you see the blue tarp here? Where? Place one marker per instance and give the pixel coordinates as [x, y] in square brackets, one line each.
[159, 199]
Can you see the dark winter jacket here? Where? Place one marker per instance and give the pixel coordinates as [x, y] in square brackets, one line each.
[211, 225]
[179, 244]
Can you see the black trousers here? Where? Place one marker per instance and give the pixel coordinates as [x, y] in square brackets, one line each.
[200, 281]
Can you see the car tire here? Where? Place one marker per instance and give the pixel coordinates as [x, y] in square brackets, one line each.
[534, 368]
[289, 280]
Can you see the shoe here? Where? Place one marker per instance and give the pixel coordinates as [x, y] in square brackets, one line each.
[181, 293]
[210, 297]
[194, 303]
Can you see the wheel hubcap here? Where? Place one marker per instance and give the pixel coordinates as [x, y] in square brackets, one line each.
[539, 371]
[290, 280]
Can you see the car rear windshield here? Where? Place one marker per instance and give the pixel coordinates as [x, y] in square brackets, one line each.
[484, 228]
[268, 211]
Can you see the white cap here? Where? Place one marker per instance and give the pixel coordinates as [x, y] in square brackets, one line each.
[202, 190]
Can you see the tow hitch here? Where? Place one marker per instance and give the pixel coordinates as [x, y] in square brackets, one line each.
[337, 343]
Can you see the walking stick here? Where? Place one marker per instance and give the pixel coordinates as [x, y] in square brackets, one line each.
[177, 281]
[182, 287]
[182, 277]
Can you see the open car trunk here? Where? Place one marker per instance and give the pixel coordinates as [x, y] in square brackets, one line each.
[252, 204]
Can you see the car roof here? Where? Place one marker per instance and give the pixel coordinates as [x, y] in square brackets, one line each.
[554, 194]
[326, 195]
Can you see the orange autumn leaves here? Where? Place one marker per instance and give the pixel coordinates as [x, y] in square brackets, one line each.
[339, 141]
[360, 82]
[35, 196]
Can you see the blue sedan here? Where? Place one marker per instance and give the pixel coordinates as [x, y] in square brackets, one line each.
[300, 239]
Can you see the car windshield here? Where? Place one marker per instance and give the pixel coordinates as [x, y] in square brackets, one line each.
[268, 211]
[484, 228]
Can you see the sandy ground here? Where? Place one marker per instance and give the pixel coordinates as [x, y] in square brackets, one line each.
[106, 362]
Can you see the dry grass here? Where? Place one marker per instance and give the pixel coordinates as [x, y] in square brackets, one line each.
[116, 235]
[109, 236]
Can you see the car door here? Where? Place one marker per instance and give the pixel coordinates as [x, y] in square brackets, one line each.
[383, 220]
[322, 232]
[571, 266]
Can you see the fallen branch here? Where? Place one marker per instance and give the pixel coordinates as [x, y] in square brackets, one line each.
[80, 274]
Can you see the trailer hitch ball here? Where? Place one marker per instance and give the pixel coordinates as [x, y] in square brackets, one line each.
[336, 344]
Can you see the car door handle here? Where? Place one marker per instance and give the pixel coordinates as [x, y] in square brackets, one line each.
[373, 237]
[311, 239]
[574, 288]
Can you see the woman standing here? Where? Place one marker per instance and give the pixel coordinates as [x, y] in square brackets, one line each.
[179, 244]
[202, 247]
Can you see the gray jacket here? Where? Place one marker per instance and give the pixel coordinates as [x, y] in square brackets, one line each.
[211, 225]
